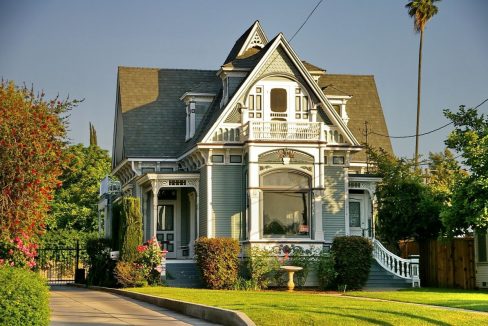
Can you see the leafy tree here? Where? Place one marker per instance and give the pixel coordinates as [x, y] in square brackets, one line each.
[130, 229]
[75, 203]
[407, 208]
[32, 134]
[421, 11]
[444, 172]
[469, 202]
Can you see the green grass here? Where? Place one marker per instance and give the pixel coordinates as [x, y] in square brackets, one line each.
[305, 308]
[473, 300]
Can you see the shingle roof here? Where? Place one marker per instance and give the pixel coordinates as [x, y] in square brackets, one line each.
[154, 117]
[364, 106]
[238, 45]
[312, 68]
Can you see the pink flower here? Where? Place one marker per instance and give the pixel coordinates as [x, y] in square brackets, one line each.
[141, 248]
[12, 263]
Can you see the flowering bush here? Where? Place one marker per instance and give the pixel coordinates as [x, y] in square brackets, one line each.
[18, 252]
[150, 260]
[32, 133]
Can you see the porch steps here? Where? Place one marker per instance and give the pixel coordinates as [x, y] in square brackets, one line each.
[379, 278]
[183, 275]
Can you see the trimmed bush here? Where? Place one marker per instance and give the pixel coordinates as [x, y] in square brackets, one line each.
[101, 271]
[129, 274]
[130, 229]
[218, 261]
[24, 298]
[352, 261]
[326, 273]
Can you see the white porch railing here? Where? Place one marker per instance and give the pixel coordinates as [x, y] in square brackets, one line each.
[401, 267]
[281, 130]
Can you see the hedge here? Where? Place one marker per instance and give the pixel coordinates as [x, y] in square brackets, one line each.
[218, 261]
[353, 256]
[24, 297]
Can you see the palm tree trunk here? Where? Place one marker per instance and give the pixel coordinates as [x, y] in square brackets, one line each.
[418, 101]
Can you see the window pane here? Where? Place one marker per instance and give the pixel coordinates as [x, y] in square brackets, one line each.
[165, 218]
[218, 158]
[284, 179]
[251, 102]
[285, 214]
[305, 103]
[298, 106]
[278, 100]
[235, 159]
[338, 160]
[354, 214]
[482, 247]
[258, 102]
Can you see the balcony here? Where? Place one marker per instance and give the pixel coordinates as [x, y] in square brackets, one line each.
[278, 131]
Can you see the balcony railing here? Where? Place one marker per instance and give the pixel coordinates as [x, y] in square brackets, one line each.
[278, 131]
[281, 130]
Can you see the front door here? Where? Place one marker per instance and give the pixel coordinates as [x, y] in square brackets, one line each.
[357, 216]
[166, 227]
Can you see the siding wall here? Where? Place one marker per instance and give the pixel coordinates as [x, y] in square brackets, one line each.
[202, 228]
[227, 200]
[234, 83]
[333, 206]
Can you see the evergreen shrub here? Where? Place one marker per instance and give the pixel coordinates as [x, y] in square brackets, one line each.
[24, 297]
[353, 256]
[130, 229]
[218, 261]
[101, 266]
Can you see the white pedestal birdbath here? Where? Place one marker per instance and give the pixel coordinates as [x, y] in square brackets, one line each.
[291, 270]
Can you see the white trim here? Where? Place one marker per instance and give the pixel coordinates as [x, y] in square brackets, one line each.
[202, 97]
[346, 201]
[256, 29]
[280, 40]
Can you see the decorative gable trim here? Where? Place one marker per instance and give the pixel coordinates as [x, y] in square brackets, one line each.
[256, 38]
[253, 75]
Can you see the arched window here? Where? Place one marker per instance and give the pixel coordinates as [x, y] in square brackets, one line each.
[286, 204]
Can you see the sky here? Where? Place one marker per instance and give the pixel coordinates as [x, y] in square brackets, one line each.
[73, 48]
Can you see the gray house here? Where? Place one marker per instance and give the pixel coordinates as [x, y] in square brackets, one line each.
[267, 149]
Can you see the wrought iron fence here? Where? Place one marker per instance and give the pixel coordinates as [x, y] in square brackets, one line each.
[63, 265]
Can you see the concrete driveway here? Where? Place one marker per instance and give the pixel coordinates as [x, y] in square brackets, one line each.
[76, 306]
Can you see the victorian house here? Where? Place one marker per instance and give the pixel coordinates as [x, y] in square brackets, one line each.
[267, 148]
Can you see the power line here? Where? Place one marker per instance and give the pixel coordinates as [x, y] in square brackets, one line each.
[428, 132]
[306, 20]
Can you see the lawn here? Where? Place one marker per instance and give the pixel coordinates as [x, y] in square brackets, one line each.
[473, 300]
[305, 308]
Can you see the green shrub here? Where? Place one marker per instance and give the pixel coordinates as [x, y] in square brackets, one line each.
[150, 255]
[262, 264]
[129, 274]
[101, 267]
[130, 229]
[352, 261]
[326, 273]
[218, 261]
[24, 298]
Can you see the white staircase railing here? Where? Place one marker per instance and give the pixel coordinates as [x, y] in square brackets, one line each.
[404, 268]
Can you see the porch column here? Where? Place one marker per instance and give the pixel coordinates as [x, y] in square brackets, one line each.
[254, 197]
[155, 190]
[192, 198]
[317, 202]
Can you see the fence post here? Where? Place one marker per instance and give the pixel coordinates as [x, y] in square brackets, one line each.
[414, 270]
[77, 254]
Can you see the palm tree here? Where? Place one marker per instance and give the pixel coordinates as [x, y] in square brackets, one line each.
[421, 11]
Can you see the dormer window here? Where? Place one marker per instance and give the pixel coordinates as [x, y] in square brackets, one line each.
[339, 104]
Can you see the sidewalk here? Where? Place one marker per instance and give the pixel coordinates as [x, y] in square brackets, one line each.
[77, 306]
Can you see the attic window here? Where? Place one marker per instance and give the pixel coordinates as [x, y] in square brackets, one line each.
[278, 100]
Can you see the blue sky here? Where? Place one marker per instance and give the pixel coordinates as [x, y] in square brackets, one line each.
[74, 47]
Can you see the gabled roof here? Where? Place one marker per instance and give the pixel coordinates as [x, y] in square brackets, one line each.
[154, 117]
[260, 61]
[364, 106]
[244, 42]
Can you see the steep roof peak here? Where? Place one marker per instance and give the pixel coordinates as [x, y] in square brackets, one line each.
[253, 37]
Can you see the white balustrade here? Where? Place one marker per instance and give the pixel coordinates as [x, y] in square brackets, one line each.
[401, 267]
